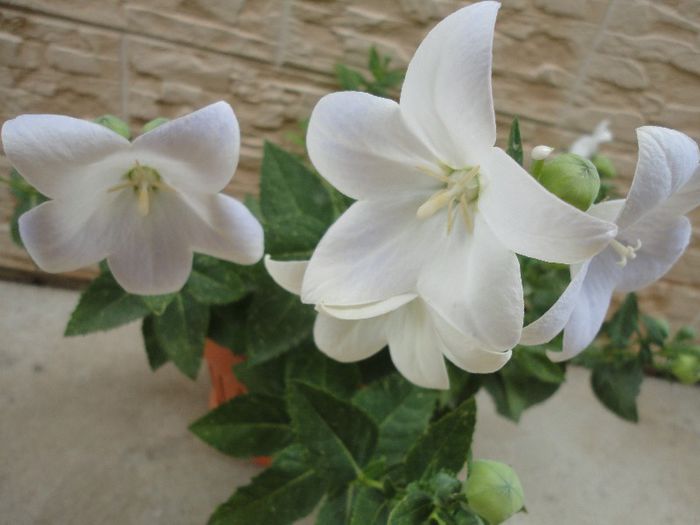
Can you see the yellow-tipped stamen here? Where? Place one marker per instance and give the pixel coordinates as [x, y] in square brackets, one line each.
[461, 189]
[430, 173]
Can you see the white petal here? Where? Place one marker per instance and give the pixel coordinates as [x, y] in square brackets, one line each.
[60, 155]
[288, 274]
[366, 311]
[466, 352]
[554, 320]
[474, 282]
[223, 227]
[532, 221]
[151, 254]
[348, 341]
[686, 199]
[197, 152]
[663, 243]
[607, 210]
[373, 252]
[593, 301]
[362, 146]
[415, 347]
[62, 236]
[667, 160]
[447, 91]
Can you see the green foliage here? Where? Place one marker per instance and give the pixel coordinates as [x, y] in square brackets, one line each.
[283, 493]
[340, 438]
[154, 352]
[214, 281]
[104, 305]
[515, 144]
[445, 443]
[26, 198]
[414, 508]
[616, 385]
[248, 425]
[307, 364]
[382, 81]
[624, 323]
[115, 124]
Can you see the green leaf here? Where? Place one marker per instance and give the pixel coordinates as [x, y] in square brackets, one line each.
[354, 505]
[26, 198]
[515, 145]
[296, 206]
[277, 322]
[228, 323]
[253, 205]
[625, 321]
[214, 281]
[444, 445]
[339, 436]
[181, 330]
[103, 306]
[617, 385]
[158, 303]
[282, 494]
[265, 378]
[308, 364]
[413, 509]
[657, 329]
[348, 79]
[534, 361]
[401, 412]
[155, 353]
[376, 66]
[248, 425]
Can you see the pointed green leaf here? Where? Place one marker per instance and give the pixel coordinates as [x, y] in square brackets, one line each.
[617, 385]
[625, 321]
[413, 509]
[157, 303]
[515, 145]
[248, 425]
[155, 353]
[444, 445]
[339, 436]
[401, 411]
[214, 281]
[103, 306]
[308, 364]
[181, 330]
[282, 494]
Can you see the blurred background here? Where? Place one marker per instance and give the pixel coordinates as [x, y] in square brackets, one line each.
[560, 65]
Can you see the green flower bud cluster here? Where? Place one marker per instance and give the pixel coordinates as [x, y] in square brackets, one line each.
[493, 491]
[571, 178]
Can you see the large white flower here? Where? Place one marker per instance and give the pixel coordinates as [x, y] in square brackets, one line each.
[417, 336]
[144, 205]
[653, 233]
[440, 211]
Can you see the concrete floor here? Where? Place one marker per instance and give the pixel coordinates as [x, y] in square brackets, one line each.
[89, 436]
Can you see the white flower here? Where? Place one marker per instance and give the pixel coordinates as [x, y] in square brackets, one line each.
[587, 145]
[417, 336]
[440, 211]
[145, 206]
[653, 233]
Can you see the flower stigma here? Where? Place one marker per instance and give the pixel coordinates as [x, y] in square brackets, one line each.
[461, 191]
[625, 251]
[145, 181]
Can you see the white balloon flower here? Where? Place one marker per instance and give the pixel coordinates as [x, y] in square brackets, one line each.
[653, 233]
[417, 336]
[145, 205]
[440, 211]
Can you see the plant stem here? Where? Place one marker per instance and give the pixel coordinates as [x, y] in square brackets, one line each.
[369, 482]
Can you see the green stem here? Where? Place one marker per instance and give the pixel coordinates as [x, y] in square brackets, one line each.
[536, 168]
[369, 482]
[436, 518]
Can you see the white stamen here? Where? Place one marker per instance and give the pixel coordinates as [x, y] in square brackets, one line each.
[625, 251]
[144, 198]
[461, 188]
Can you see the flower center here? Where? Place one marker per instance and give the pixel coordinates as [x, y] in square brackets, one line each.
[625, 251]
[461, 191]
[145, 181]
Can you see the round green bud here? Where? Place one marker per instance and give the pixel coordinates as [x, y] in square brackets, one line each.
[571, 178]
[494, 491]
[604, 165]
[115, 124]
[686, 368]
[153, 124]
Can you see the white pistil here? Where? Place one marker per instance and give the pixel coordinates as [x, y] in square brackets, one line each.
[625, 251]
[144, 181]
[462, 188]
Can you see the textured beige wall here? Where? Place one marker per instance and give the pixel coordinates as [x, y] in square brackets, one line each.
[561, 65]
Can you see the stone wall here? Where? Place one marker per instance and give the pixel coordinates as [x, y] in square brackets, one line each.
[561, 65]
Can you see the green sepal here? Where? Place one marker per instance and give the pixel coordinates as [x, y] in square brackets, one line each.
[115, 124]
[248, 425]
[153, 124]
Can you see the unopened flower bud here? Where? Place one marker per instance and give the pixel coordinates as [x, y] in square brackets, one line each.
[153, 124]
[686, 368]
[604, 165]
[115, 124]
[571, 178]
[494, 491]
[541, 152]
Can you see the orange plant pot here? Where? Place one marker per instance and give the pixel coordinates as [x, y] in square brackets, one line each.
[224, 383]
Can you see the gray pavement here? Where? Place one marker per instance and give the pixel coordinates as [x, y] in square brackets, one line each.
[89, 436]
